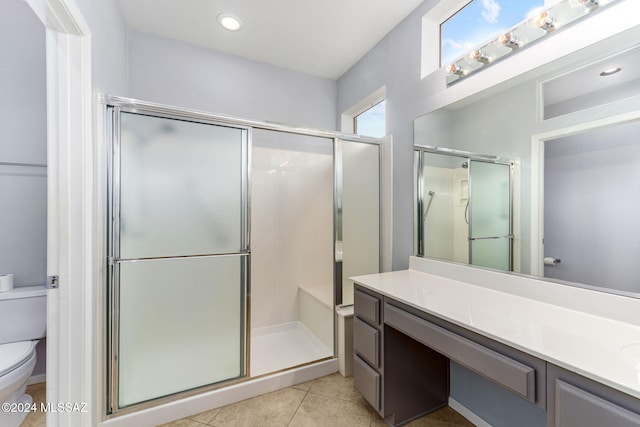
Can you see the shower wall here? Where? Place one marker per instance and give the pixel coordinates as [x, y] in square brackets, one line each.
[291, 227]
[446, 231]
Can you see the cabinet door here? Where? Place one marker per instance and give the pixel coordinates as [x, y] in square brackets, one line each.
[578, 408]
[367, 381]
[574, 400]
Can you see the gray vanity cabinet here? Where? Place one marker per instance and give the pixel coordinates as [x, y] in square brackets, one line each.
[575, 401]
[399, 377]
[367, 339]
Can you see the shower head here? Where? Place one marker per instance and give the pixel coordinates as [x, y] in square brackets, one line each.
[431, 193]
[465, 165]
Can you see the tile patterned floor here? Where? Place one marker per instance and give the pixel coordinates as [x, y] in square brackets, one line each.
[329, 401]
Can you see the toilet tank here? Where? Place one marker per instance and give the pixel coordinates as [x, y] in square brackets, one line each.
[23, 314]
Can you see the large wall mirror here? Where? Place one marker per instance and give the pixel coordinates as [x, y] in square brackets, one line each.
[572, 131]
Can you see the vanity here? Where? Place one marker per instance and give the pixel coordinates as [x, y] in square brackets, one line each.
[572, 352]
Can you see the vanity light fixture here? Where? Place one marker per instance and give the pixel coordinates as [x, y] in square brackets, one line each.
[480, 56]
[509, 41]
[589, 4]
[545, 22]
[229, 21]
[558, 16]
[610, 71]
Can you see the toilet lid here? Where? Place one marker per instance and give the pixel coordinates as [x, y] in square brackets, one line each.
[14, 354]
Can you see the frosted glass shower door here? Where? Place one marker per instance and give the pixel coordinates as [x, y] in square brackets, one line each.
[490, 215]
[357, 172]
[179, 256]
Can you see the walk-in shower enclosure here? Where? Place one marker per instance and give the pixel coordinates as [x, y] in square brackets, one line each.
[463, 207]
[230, 243]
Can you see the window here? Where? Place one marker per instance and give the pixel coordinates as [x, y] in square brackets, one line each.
[371, 122]
[478, 22]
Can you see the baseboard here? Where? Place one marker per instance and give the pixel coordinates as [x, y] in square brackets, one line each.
[37, 379]
[467, 413]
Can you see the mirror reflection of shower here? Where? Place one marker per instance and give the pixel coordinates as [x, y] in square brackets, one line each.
[459, 224]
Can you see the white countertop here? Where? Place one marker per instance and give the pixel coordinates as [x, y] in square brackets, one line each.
[603, 349]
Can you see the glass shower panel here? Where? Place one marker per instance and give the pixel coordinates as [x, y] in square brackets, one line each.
[359, 250]
[179, 250]
[490, 214]
[181, 325]
[180, 187]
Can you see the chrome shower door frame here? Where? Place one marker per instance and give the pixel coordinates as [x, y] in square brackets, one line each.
[113, 108]
[419, 163]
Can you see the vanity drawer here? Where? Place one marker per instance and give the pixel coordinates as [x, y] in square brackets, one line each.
[366, 342]
[576, 407]
[509, 373]
[367, 307]
[367, 381]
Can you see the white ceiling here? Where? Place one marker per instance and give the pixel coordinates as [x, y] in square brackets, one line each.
[320, 37]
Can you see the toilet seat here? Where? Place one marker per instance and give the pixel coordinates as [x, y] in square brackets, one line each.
[14, 355]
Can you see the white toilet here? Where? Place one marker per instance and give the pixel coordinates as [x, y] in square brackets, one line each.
[23, 313]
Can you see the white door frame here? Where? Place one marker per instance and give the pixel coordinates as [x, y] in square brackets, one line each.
[71, 367]
[537, 177]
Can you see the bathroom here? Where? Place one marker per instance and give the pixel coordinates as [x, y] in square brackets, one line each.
[132, 63]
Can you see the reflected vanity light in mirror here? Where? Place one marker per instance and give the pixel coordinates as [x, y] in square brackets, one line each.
[531, 30]
[480, 56]
[545, 22]
[509, 41]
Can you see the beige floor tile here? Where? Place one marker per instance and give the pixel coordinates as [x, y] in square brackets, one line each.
[303, 386]
[184, 422]
[450, 416]
[320, 411]
[272, 409]
[206, 416]
[336, 386]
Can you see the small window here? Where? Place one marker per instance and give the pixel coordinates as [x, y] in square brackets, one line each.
[371, 122]
[480, 21]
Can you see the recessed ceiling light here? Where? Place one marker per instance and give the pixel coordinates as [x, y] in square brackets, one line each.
[610, 71]
[229, 21]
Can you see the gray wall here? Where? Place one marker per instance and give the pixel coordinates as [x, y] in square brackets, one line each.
[500, 124]
[23, 186]
[109, 66]
[395, 62]
[179, 74]
[592, 180]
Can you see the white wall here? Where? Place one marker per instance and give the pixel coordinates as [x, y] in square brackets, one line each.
[176, 73]
[291, 225]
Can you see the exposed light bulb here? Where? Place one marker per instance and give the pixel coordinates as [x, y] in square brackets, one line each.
[545, 21]
[455, 69]
[589, 4]
[509, 41]
[480, 56]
